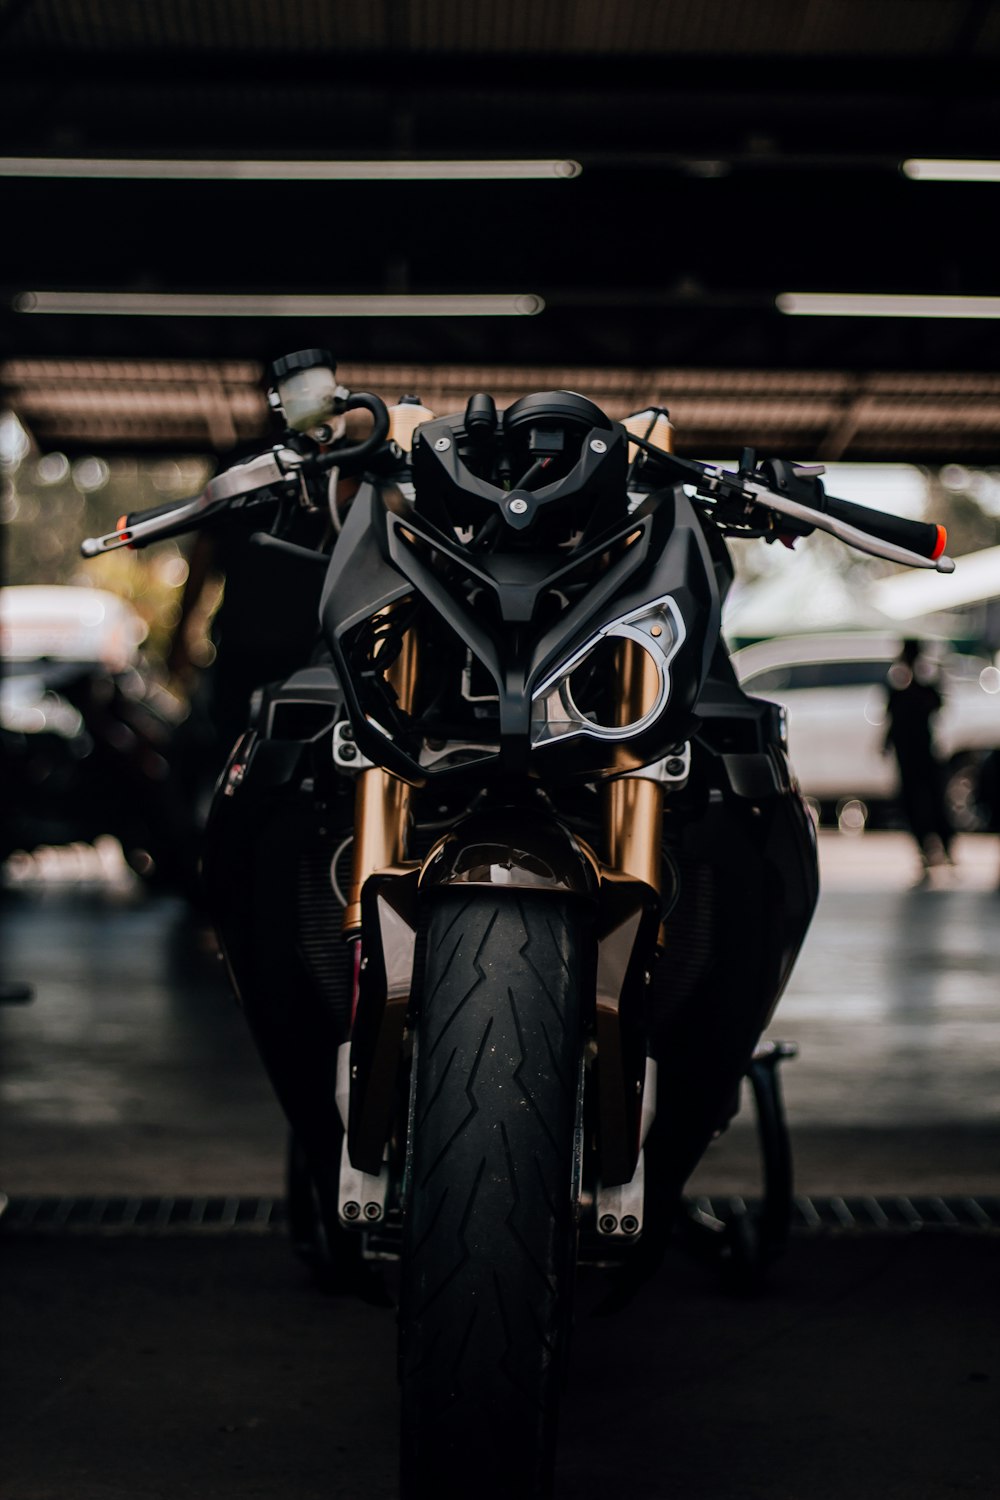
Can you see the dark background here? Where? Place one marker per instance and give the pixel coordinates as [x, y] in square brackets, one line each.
[731, 150]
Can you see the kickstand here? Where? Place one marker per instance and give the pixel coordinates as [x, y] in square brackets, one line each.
[745, 1243]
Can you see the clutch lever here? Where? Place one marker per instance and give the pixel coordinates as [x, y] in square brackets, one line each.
[269, 476]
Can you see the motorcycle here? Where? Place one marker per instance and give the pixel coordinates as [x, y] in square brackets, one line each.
[510, 874]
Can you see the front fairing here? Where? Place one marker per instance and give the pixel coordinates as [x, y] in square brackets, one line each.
[514, 622]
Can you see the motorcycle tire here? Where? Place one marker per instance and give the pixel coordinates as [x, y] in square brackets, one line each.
[490, 1230]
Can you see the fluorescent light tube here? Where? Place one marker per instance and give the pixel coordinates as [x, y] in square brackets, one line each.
[927, 169]
[210, 305]
[285, 171]
[878, 305]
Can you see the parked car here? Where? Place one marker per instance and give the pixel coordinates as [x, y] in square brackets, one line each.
[833, 687]
[87, 733]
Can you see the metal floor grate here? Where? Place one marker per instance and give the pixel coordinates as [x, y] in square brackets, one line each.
[179, 1216]
[143, 1215]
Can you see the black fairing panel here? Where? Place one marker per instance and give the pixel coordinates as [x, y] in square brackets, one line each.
[684, 571]
[270, 844]
[360, 582]
[746, 856]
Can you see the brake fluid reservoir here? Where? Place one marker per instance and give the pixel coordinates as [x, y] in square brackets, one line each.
[404, 418]
[308, 397]
[654, 425]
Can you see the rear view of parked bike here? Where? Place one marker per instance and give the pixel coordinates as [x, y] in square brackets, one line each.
[510, 875]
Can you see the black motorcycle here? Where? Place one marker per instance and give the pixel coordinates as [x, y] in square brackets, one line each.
[509, 874]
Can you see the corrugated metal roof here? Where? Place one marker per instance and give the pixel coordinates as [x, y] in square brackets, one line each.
[172, 404]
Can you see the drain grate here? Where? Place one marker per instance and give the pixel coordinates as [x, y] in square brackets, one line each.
[235, 1215]
[867, 1214]
[143, 1215]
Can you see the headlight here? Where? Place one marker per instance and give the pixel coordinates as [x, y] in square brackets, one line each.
[556, 710]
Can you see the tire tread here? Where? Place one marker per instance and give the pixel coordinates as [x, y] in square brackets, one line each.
[487, 1257]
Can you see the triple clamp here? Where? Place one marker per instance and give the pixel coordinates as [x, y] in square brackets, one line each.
[672, 770]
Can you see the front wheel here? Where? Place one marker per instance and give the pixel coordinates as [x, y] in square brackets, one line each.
[489, 1240]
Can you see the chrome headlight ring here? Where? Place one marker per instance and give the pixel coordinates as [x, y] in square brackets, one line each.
[658, 627]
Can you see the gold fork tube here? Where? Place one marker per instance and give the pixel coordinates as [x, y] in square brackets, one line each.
[381, 800]
[633, 806]
[381, 811]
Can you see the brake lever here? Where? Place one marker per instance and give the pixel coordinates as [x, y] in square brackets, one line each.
[744, 492]
[844, 532]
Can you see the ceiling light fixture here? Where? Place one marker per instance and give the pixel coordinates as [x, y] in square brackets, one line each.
[927, 169]
[236, 305]
[879, 305]
[285, 171]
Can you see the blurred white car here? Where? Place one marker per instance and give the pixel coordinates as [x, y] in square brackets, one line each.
[834, 689]
[59, 623]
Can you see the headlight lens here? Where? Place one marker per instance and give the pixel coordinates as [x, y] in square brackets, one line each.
[657, 629]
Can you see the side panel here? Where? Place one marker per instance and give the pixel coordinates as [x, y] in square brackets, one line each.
[273, 835]
[746, 855]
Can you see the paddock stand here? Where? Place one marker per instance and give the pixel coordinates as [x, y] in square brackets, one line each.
[745, 1243]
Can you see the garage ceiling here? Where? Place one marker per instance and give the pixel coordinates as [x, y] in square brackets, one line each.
[731, 150]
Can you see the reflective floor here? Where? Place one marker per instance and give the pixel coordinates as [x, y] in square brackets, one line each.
[208, 1365]
[131, 1071]
[212, 1369]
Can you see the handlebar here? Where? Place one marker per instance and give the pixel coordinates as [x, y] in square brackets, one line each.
[269, 477]
[917, 544]
[338, 458]
[801, 483]
[795, 492]
[749, 499]
[140, 527]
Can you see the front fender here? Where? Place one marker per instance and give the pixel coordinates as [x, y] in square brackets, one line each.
[511, 848]
[507, 849]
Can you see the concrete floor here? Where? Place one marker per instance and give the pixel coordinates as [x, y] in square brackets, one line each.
[142, 1367]
[211, 1369]
[132, 1072]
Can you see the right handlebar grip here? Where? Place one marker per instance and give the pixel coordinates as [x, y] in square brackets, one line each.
[135, 516]
[922, 537]
[163, 520]
[125, 524]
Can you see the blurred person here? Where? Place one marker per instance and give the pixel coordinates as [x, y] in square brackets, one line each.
[914, 698]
